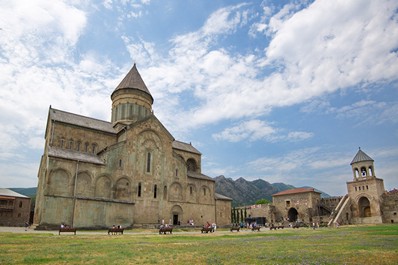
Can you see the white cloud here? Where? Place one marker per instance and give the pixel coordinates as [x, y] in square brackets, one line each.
[321, 52]
[254, 130]
[250, 130]
[313, 52]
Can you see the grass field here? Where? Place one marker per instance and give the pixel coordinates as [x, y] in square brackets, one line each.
[343, 245]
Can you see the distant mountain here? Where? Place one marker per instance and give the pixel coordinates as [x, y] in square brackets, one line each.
[244, 192]
[30, 192]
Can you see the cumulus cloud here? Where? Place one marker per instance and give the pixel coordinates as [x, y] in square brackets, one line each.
[37, 42]
[312, 52]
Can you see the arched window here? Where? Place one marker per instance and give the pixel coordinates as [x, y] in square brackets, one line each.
[148, 162]
[70, 146]
[62, 142]
[155, 190]
[94, 146]
[191, 165]
[371, 173]
[86, 147]
[363, 171]
[78, 143]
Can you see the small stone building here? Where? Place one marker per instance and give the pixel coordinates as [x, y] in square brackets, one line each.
[299, 204]
[14, 208]
[130, 171]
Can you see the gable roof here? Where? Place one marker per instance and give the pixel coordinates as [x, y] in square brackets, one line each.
[11, 193]
[192, 174]
[185, 147]
[79, 120]
[133, 80]
[218, 196]
[360, 157]
[294, 191]
[74, 155]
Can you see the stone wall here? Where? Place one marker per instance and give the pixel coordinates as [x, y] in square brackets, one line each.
[390, 206]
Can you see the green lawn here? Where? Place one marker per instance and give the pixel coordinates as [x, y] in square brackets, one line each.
[343, 245]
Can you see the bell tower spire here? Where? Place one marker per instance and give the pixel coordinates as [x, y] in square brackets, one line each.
[362, 165]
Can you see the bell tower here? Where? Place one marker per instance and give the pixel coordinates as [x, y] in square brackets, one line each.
[131, 100]
[365, 190]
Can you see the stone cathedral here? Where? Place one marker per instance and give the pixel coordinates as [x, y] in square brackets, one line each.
[130, 171]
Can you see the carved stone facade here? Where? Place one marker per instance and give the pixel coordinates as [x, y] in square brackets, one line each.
[130, 171]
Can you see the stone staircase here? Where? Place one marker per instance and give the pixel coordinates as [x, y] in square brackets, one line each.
[336, 215]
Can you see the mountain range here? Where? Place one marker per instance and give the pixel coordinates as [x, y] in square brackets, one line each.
[245, 192]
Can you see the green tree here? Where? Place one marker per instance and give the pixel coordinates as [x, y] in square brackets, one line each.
[263, 201]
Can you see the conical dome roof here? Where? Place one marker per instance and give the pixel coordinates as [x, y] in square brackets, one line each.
[133, 80]
[360, 157]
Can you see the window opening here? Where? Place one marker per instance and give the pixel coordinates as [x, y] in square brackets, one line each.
[70, 144]
[78, 146]
[148, 162]
[86, 147]
[155, 189]
[139, 189]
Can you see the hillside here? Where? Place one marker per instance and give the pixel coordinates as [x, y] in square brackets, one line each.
[30, 192]
[245, 192]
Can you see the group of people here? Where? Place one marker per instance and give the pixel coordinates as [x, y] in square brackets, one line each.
[208, 225]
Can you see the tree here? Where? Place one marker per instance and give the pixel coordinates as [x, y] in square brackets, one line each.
[263, 201]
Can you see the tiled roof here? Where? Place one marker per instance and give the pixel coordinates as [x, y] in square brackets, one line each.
[222, 197]
[73, 155]
[185, 147]
[82, 121]
[293, 191]
[133, 80]
[11, 193]
[361, 156]
[199, 176]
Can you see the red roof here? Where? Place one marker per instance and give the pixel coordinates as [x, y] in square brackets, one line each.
[293, 191]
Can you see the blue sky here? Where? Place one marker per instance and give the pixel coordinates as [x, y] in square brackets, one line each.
[284, 91]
